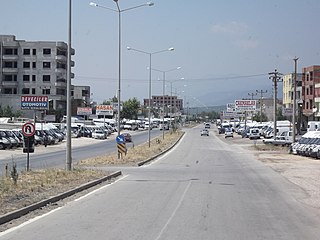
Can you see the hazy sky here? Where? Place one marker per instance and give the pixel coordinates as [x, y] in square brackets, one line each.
[225, 48]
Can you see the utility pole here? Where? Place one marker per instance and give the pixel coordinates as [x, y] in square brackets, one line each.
[252, 94]
[294, 107]
[275, 77]
[261, 98]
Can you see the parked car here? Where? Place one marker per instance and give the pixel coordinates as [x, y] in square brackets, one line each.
[127, 137]
[98, 134]
[204, 132]
[228, 133]
[4, 141]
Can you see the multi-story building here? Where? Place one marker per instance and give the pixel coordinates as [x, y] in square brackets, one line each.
[33, 68]
[288, 89]
[311, 92]
[168, 101]
[80, 98]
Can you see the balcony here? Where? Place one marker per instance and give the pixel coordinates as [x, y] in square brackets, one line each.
[9, 83]
[10, 70]
[61, 58]
[10, 57]
[60, 83]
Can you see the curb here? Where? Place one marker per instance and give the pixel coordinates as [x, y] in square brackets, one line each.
[158, 155]
[23, 211]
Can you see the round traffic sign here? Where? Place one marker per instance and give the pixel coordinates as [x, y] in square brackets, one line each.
[120, 139]
[28, 129]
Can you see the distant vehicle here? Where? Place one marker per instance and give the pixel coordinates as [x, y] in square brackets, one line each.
[207, 125]
[254, 133]
[228, 133]
[164, 126]
[204, 132]
[98, 134]
[127, 137]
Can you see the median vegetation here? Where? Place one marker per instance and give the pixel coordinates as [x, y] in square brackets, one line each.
[21, 189]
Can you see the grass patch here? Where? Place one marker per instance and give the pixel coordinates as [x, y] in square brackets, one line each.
[34, 186]
[137, 153]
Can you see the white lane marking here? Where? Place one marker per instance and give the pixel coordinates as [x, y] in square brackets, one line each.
[164, 155]
[99, 189]
[55, 210]
[174, 212]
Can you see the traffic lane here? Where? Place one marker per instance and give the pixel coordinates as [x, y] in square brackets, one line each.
[202, 189]
[57, 156]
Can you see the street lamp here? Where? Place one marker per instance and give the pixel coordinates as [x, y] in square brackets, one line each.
[119, 11]
[163, 90]
[150, 70]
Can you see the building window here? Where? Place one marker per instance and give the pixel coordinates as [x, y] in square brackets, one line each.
[46, 51]
[61, 91]
[85, 93]
[26, 78]
[33, 91]
[10, 51]
[10, 64]
[61, 65]
[34, 64]
[10, 78]
[46, 91]
[26, 51]
[46, 78]
[33, 78]
[10, 91]
[46, 64]
[34, 52]
[26, 64]
[25, 91]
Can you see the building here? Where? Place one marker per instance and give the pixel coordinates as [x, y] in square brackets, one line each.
[311, 92]
[288, 90]
[80, 98]
[36, 68]
[168, 101]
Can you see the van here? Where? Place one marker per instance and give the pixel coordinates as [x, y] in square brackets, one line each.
[254, 133]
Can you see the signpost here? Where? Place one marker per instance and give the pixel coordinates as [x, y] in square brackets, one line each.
[28, 131]
[121, 145]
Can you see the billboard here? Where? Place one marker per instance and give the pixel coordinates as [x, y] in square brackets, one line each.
[245, 105]
[104, 110]
[85, 111]
[34, 102]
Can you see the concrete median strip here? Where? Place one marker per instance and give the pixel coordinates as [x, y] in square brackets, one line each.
[23, 211]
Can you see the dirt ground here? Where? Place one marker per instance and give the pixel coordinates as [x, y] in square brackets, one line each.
[300, 170]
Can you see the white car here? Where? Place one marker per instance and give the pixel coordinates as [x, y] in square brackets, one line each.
[99, 134]
[228, 133]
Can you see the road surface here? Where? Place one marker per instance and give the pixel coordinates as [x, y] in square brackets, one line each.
[205, 188]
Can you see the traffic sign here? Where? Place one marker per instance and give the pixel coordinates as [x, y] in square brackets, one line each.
[28, 129]
[120, 139]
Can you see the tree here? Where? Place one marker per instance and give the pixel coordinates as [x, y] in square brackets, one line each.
[130, 109]
[8, 112]
[257, 117]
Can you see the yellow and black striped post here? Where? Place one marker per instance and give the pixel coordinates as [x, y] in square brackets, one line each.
[122, 149]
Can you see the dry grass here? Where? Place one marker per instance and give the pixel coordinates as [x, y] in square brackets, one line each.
[34, 186]
[137, 153]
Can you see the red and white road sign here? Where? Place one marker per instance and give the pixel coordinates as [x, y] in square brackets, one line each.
[28, 129]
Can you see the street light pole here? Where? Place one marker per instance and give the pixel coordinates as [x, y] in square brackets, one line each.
[163, 91]
[294, 100]
[68, 149]
[150, 69]
[119, 11]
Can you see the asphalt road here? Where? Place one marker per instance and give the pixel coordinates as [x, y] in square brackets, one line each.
[49, 159]
[205, 188]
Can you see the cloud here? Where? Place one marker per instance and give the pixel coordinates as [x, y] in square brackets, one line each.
[232, 27]
[246, 44]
